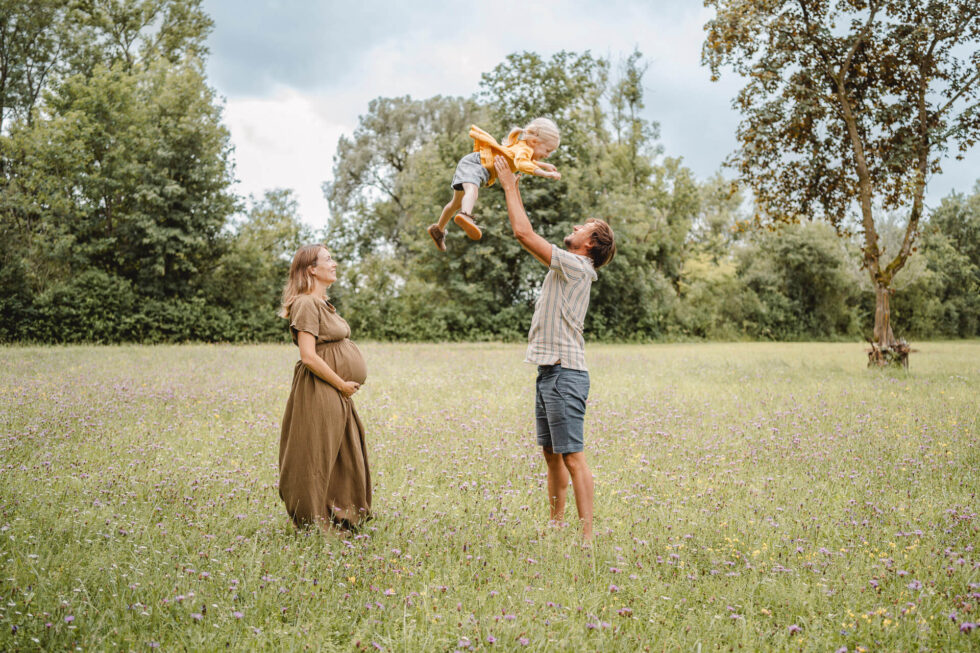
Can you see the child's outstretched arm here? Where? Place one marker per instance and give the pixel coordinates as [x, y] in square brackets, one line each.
[529, 166]
[547, 170]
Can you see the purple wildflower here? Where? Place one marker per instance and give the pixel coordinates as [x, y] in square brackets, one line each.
[794, 629]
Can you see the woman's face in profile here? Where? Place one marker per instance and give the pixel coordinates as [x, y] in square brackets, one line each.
[326, 268]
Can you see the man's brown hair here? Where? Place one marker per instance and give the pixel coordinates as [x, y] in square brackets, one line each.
[602, 246]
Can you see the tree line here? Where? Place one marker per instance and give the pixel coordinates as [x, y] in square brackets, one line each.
[118, 223]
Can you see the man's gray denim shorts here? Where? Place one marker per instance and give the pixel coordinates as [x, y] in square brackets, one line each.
[559, 408]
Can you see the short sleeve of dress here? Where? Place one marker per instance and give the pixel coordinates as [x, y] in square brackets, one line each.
[304, 315]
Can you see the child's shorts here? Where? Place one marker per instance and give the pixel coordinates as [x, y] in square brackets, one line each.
[470, 170]
[559, 408]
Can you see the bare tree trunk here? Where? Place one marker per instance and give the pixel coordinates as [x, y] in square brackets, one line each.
[885, 349]
[883, 327]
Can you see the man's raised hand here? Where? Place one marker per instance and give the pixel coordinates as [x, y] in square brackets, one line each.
[507, 179]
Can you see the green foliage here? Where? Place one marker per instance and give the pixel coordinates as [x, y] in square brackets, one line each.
[115, 173]
[144, 163]
[802, 281]
[945, 300]
[392, 179]
[29, 42]
[117, 183]
[248, 279]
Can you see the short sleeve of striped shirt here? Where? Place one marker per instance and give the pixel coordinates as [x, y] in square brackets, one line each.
[571, 266]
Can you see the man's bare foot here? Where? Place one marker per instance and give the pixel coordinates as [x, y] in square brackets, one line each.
[438, 236]
[465, 222]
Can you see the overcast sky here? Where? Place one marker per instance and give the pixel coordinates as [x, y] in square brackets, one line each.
[296, 74]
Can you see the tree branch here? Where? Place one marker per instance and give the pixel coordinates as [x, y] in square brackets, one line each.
[857, 42]
[966, 87]
[816, 42]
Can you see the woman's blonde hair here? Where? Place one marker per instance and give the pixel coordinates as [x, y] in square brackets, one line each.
[300, 280]
[543, 128]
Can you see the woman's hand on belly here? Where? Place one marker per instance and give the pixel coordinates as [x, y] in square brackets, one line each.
[348, 388]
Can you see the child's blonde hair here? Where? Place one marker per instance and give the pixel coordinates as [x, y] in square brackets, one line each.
[543, 128]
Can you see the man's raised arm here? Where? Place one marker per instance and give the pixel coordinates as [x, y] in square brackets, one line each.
[519, 222]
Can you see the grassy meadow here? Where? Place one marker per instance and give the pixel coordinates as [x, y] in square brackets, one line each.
[748, 497]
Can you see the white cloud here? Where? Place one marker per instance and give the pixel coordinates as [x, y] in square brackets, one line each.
[282, 141]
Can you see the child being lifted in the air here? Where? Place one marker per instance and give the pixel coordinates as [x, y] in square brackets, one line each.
[525, 151]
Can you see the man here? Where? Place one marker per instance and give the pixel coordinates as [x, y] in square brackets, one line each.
[556, 345]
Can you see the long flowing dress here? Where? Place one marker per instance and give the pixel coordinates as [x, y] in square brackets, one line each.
[323, 463]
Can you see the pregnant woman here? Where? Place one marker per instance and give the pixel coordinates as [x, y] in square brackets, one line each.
[324, 478]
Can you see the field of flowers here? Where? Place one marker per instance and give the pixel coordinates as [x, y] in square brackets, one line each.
[753, 496]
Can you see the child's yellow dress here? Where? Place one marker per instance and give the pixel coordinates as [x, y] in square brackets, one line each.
[516, 150]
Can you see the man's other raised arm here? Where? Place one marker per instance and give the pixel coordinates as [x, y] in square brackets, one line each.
[523, 231]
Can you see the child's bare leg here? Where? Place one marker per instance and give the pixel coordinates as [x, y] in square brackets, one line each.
[465, 217]
[470, 193]
[450, 209]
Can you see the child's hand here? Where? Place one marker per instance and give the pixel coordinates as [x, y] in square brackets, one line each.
[551, 174]
[547, 166]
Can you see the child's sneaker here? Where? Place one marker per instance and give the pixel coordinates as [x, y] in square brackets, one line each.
[438, 236]
[465, 222]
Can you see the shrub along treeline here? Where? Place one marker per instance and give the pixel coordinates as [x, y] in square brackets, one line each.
[117, 222]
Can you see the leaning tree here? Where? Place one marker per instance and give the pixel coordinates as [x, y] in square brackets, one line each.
[849, 107]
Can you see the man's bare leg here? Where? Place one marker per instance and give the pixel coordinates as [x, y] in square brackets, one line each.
[584, 488]
[557, 484]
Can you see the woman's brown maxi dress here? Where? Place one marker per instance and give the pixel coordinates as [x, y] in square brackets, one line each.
[323, 463]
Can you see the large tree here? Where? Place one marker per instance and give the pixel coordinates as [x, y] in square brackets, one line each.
[116, 160]
[849, 104]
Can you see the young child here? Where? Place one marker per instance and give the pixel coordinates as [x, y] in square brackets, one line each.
[525, 151]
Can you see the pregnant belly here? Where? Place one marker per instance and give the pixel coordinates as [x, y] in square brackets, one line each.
[346, 360]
